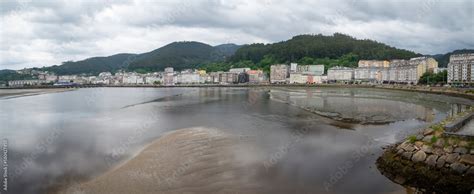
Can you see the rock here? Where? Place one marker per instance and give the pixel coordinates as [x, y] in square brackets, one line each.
[458, 167]
[407, 155]
[400, 151]
[467, 159]
[471, 170]
[439, 143]
[441, 161]
[431, 160]
[448, 149]
[409, 148]
[472, 151]
[399, 179]
[427, 138]
[438, 151]
[419, 144]
[461, 150]
[427, 149]
[419, 156]
[428, 131]
[451, 158]
[419, 137]
[463, 143]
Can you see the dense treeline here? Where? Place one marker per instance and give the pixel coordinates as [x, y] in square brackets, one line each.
[318, 47]
[92, 66]
[330, 51]
[8, 75]
[182, 55]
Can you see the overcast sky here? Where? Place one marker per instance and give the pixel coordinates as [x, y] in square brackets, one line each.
[46, 32]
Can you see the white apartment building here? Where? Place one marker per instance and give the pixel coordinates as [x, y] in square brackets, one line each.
[461, 68]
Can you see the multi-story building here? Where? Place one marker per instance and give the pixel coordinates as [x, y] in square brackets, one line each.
[311, 69]
[255, 76]
[228, 78]
[409, 71]
[298, 78]
[461, 69]
[169, 70]
[371, 71]
[279, 73]
[293, 67]
[239, 70]
[169, 79]
[214, 77]
[338, 73]
[188, 78]
[21, 83]
[373, 63]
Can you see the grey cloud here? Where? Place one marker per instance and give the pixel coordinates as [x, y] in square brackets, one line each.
[49, 32]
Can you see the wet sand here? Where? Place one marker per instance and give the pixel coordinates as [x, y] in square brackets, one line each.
[14, 93]
[194, 160]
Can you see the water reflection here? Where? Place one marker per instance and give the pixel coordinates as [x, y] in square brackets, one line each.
[99, 128]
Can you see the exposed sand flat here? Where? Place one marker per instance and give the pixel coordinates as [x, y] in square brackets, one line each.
[14, 93]
[195, 160]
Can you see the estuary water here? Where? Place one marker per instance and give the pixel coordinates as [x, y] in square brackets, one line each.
[309, 140]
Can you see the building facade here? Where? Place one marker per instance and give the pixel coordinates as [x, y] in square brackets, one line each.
[340, 74]
[279, 73]
[461, 69]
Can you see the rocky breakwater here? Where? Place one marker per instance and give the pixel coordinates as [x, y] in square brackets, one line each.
[431, 162]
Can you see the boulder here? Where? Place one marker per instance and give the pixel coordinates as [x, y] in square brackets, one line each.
[419, 137]
[461, 150]
[431, 160]
[399, 180]
[438, 151]
[409, 148]
[448, 149]
[441, 161]
[458, 167]
[428, 131]
[451, 158]
[419, 156]
[439, 143]
[427, 138]
[427, 149]
[407, 155]
[470, 171]
[467, 159]
[419, 144]
[400, 151]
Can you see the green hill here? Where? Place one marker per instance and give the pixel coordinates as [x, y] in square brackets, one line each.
[181, 55]
[93, 65]
[318, 47]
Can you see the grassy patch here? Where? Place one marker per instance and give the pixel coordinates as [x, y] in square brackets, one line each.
[412, 138]
[434, 139]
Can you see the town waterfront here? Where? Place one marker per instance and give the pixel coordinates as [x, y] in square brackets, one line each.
[302, 137]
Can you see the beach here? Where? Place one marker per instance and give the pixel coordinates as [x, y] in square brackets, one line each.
[14, 93]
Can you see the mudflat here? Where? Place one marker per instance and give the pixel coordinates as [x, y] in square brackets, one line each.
[193, 160]
[13, 93]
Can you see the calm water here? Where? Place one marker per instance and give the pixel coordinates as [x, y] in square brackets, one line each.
[63, 137]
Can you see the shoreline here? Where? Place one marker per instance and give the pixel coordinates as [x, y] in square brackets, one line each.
[17, 93]
[456, 92]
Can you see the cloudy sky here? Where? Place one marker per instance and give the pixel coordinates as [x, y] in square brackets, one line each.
[47, 32]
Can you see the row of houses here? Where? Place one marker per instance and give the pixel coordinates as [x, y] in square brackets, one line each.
[460, 71]
[168, 77]
[376, 71]
[297, 74]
